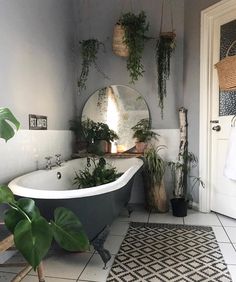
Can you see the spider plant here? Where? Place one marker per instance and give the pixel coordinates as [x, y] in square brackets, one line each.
[154, 170]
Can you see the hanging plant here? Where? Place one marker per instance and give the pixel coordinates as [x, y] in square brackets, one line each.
[89, 51]
[135, 27]
[102, 99]
[164, 49]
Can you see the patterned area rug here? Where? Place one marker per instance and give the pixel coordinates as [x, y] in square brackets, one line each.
[165, 252]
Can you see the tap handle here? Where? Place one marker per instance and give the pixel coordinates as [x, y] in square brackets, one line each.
[58, 155]
[48, 158]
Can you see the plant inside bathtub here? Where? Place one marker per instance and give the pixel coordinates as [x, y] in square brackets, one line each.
[33, 234]
[96, 174]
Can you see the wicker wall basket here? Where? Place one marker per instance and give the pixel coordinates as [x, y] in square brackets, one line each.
[226, 69]
[118, 46]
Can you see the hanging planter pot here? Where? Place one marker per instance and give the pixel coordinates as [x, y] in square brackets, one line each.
[226, 69]
[130, 36]
[118, 45]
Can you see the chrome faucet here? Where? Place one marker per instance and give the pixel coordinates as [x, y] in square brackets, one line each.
[58, 159]
[49, 163]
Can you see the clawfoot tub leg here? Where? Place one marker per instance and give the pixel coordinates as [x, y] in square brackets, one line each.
[98, 244]
[129, 209]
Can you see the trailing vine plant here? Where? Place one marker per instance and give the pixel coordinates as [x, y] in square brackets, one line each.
[165, 47]
[135, 27]
[89, 51]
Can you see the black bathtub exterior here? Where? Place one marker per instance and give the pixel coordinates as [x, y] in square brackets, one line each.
[95, 212]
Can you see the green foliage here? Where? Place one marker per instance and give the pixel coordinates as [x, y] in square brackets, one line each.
[33, 239]
[164, 48]
[99, 174]
[89, 51]
[8, 124]
[79, 129]
[189, 161]
[6, 195]
[66, 229]
[33, 234]
[142, 131]
[154, 165]
[97, 131]
[135, 27]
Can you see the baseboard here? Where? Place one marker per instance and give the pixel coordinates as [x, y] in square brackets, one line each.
[195, 206]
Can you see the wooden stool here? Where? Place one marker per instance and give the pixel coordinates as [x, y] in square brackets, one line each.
[8, 243]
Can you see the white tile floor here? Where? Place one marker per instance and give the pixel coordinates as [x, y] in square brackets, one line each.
[65, 267]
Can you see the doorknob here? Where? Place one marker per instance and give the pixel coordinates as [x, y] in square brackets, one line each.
[216, 128]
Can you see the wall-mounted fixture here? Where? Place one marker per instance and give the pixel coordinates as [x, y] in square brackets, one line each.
[37, 122]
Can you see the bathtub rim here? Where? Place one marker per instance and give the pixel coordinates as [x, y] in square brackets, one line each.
[23, 191]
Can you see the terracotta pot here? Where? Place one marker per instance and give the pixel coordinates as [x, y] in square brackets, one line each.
[140, 146]
[99, 147]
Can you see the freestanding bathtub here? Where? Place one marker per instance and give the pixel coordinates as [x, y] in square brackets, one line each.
[96, 207]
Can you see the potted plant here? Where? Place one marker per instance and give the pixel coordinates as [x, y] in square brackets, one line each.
[98, 136]
[80, 139]
[32, 233]
[154, 170]
[134, 38]
[180, 172]
[89, 51]
[100, 173]
[143, 134]
[181, 169]
[165, 47]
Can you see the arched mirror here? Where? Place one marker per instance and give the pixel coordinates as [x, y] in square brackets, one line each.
[120, 107]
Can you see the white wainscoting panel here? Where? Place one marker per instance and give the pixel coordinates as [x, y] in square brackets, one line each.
[27, 150]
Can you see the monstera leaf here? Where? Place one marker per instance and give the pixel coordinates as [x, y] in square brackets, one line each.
[68, 231]
[33, 239]
[6, 195]
[8, 124]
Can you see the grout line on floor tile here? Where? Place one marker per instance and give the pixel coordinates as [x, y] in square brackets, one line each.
[226, 232]
[86, 265]
[46, 276]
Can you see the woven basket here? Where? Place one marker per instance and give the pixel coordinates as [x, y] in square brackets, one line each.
[118, 46]
[226, 69]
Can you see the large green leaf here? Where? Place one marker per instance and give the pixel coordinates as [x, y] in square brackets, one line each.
[33, 239]
[11, 218]
[29, 207]
[6, 195]
[68, 231]
[8, 124]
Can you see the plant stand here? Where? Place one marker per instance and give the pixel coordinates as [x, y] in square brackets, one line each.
[8, 243]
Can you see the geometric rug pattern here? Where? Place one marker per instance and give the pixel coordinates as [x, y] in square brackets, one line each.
[154, 252]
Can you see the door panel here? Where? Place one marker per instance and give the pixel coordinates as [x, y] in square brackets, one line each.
[223, 107]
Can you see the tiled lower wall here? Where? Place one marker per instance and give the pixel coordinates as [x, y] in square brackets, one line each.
[27, 150]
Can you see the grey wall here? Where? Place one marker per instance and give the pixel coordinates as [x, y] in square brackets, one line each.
[96, 19]
[36, 66]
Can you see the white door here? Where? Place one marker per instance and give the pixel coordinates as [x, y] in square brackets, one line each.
[223, 108]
